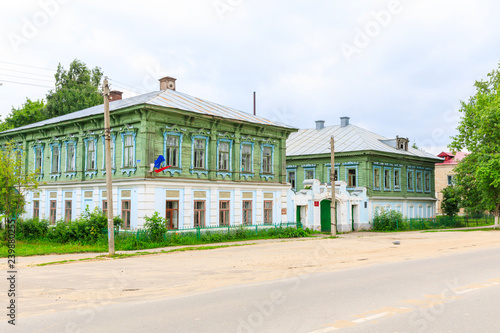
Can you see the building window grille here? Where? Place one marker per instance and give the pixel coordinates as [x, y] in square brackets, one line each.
[223, 213]
[172, 214]
[126, 214]
[247, 212]
[199, 214]
[268, 211]
[267, 157]
[199, 154]
[172, 157]
[128, 151]
[246, 158]
[224, 156]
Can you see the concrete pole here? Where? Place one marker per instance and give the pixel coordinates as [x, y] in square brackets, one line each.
[332, 181]
[109, 185]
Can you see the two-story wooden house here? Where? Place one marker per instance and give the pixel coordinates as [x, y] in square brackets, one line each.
[227, 166]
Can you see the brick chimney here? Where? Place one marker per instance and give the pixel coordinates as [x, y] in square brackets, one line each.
[167, 82]
[115, 95]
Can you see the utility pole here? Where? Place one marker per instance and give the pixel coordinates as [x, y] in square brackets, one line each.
[332, 181]
[109, 186]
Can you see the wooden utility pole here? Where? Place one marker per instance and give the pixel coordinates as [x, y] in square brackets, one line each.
[109, 186]
[332, 181]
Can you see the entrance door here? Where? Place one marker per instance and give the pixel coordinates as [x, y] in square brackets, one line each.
[326, 215]
[354, 215]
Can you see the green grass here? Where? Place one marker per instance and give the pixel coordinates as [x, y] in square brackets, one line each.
[464, 230]
[42, 247]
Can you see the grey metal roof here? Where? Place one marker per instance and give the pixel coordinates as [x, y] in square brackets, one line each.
[166, 98]
[347, 139]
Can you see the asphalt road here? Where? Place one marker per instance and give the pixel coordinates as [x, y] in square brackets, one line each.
[451, 293]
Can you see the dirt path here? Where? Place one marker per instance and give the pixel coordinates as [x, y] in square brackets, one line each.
[85, 285]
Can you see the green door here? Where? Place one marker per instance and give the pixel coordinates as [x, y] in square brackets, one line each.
[298, 215]
[326, 213]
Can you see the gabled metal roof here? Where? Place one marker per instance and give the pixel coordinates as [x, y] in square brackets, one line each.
[166, 98]
[350, 138]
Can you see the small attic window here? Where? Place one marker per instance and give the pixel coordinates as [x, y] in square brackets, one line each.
[402, 143]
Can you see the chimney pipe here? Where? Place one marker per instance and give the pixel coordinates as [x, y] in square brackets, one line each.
[167, 82]
[320, 124]
[344, 121]
[115, 95]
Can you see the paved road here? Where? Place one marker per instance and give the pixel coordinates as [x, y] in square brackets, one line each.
[451, 293]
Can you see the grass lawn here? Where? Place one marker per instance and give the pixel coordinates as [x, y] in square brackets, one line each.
[35, 248]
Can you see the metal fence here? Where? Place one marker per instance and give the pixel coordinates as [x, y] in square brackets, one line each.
[439, 222]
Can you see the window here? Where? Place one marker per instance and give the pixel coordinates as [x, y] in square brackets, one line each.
[90, 155]
[397, 179]
[111, 152]
[309, 174]
[419, 181]
[223, 213]
[387, 179]
[70, 157]
[351, 177]
[172, 153]
[199, 153]
[246, 158]
[410, 180]
[126, 214]
[172, 214]
[38, 160]
[67, 210]
[267, 159]
[427, 181]
[199, 214]
[52, 216]
[268, 211]
[128, 151]
[376, 178]
[36, 209]
[291, 178]
[247, 212]
[105, 207]
[450, 180]
[224, 156]
[335, 175]
[55, 159]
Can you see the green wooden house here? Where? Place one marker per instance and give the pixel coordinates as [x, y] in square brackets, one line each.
[227, 166]
[389, 172]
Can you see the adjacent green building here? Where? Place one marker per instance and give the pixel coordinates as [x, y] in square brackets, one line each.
[388, 173]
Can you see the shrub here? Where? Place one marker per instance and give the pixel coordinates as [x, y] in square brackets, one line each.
[155, 227]
[388, 221]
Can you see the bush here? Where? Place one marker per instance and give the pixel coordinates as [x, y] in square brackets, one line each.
[388, 221]
[32, 229]
[155, 227]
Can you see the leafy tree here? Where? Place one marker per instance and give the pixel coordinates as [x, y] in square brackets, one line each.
[14, 182]
[451, 201]
[414, 145]
[479, 133]
[30, 112]
[76, 89]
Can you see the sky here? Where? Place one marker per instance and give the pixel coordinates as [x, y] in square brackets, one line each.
[397, 67]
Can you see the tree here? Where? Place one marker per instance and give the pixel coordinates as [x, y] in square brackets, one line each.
[76, 89]
[451, 201]
[479, 133]
[30, 112]
[14, 182]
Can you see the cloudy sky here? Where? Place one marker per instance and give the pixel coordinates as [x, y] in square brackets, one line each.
[394, 67]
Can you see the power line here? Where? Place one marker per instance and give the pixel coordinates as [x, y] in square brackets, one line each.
[27, 78]
[133, 87]
[12, 70]
[11, 63]
[28, 84]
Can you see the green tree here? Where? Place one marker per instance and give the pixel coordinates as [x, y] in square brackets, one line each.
[76, 89]
[479, 133]
[14, 182]
[30, 112]
[451, 201]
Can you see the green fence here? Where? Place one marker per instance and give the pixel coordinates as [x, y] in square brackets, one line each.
[189, 232]
[440, 222]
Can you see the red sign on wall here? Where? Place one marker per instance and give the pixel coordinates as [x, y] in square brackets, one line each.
[316, 203]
